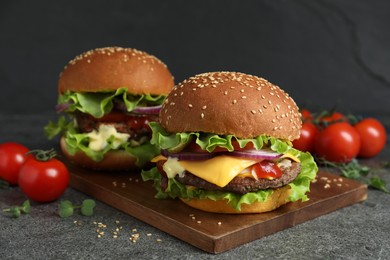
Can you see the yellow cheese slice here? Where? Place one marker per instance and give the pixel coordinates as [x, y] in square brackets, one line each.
[219, 170]
[290, 156]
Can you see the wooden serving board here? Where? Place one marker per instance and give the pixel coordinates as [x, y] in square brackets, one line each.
[212, 232]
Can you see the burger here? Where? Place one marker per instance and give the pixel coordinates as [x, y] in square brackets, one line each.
[108, 97]
[225, 140]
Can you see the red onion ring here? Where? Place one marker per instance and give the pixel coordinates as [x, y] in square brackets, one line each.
[250, 154]
[62, 107]
[188, 156]
[257, 154]
[147, 110]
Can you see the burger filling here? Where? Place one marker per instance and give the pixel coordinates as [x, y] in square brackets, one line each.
[246, 181]
[106, 121]
[135, 126]
[240, 171]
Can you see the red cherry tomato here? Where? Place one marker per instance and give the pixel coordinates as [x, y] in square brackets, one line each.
[372, 137]
[43, 181]
[306, 115]
[335, 116]
[305, 143]
[339, 142]
[266, 170]
[12, 157]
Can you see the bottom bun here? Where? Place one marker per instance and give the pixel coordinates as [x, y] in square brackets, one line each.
[112, 161]
[278, 198]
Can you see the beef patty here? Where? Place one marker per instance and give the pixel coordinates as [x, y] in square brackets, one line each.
[238, 184]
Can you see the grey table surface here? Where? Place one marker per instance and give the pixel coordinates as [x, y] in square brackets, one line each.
[360, 231]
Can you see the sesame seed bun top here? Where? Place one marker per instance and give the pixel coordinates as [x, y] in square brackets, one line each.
[110, 68]
[231, 103]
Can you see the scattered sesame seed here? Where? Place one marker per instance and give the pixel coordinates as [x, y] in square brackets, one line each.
[202, 115]
[189, 105]
[327, 186]
[234, 101]
[243, 97]
[253, 111]
[219, 223]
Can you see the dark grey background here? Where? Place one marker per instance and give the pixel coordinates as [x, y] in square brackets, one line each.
[325, 53]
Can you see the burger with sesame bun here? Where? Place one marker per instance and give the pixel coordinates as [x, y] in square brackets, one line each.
[109, 95]
[225, 140]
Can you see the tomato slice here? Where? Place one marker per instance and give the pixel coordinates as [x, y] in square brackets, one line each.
[133, 122]
[266, 170]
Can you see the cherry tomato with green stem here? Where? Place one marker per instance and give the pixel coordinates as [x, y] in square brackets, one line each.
[43, 178]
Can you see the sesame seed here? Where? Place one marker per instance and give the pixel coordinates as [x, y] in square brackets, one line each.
[271, 93]
[261, 111]
[202, 115]
[242, 91]
[225, 92]
[253, 111]
[243, 97]
[189, 105]
[204, 107]
[265, 106]
[262, 96]
[269, 102]
[234, 101]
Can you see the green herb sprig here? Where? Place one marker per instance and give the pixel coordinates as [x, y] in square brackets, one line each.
[356, 171]
[16, 211]
[66, 208]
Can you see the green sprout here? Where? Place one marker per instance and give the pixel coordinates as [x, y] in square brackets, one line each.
[66, 208]
[16, 211]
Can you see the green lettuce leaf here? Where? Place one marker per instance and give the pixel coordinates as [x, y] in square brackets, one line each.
[99, 104]
[75, 141]
[299, 187]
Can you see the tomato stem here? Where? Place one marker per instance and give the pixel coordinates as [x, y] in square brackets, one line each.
[43, 155]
